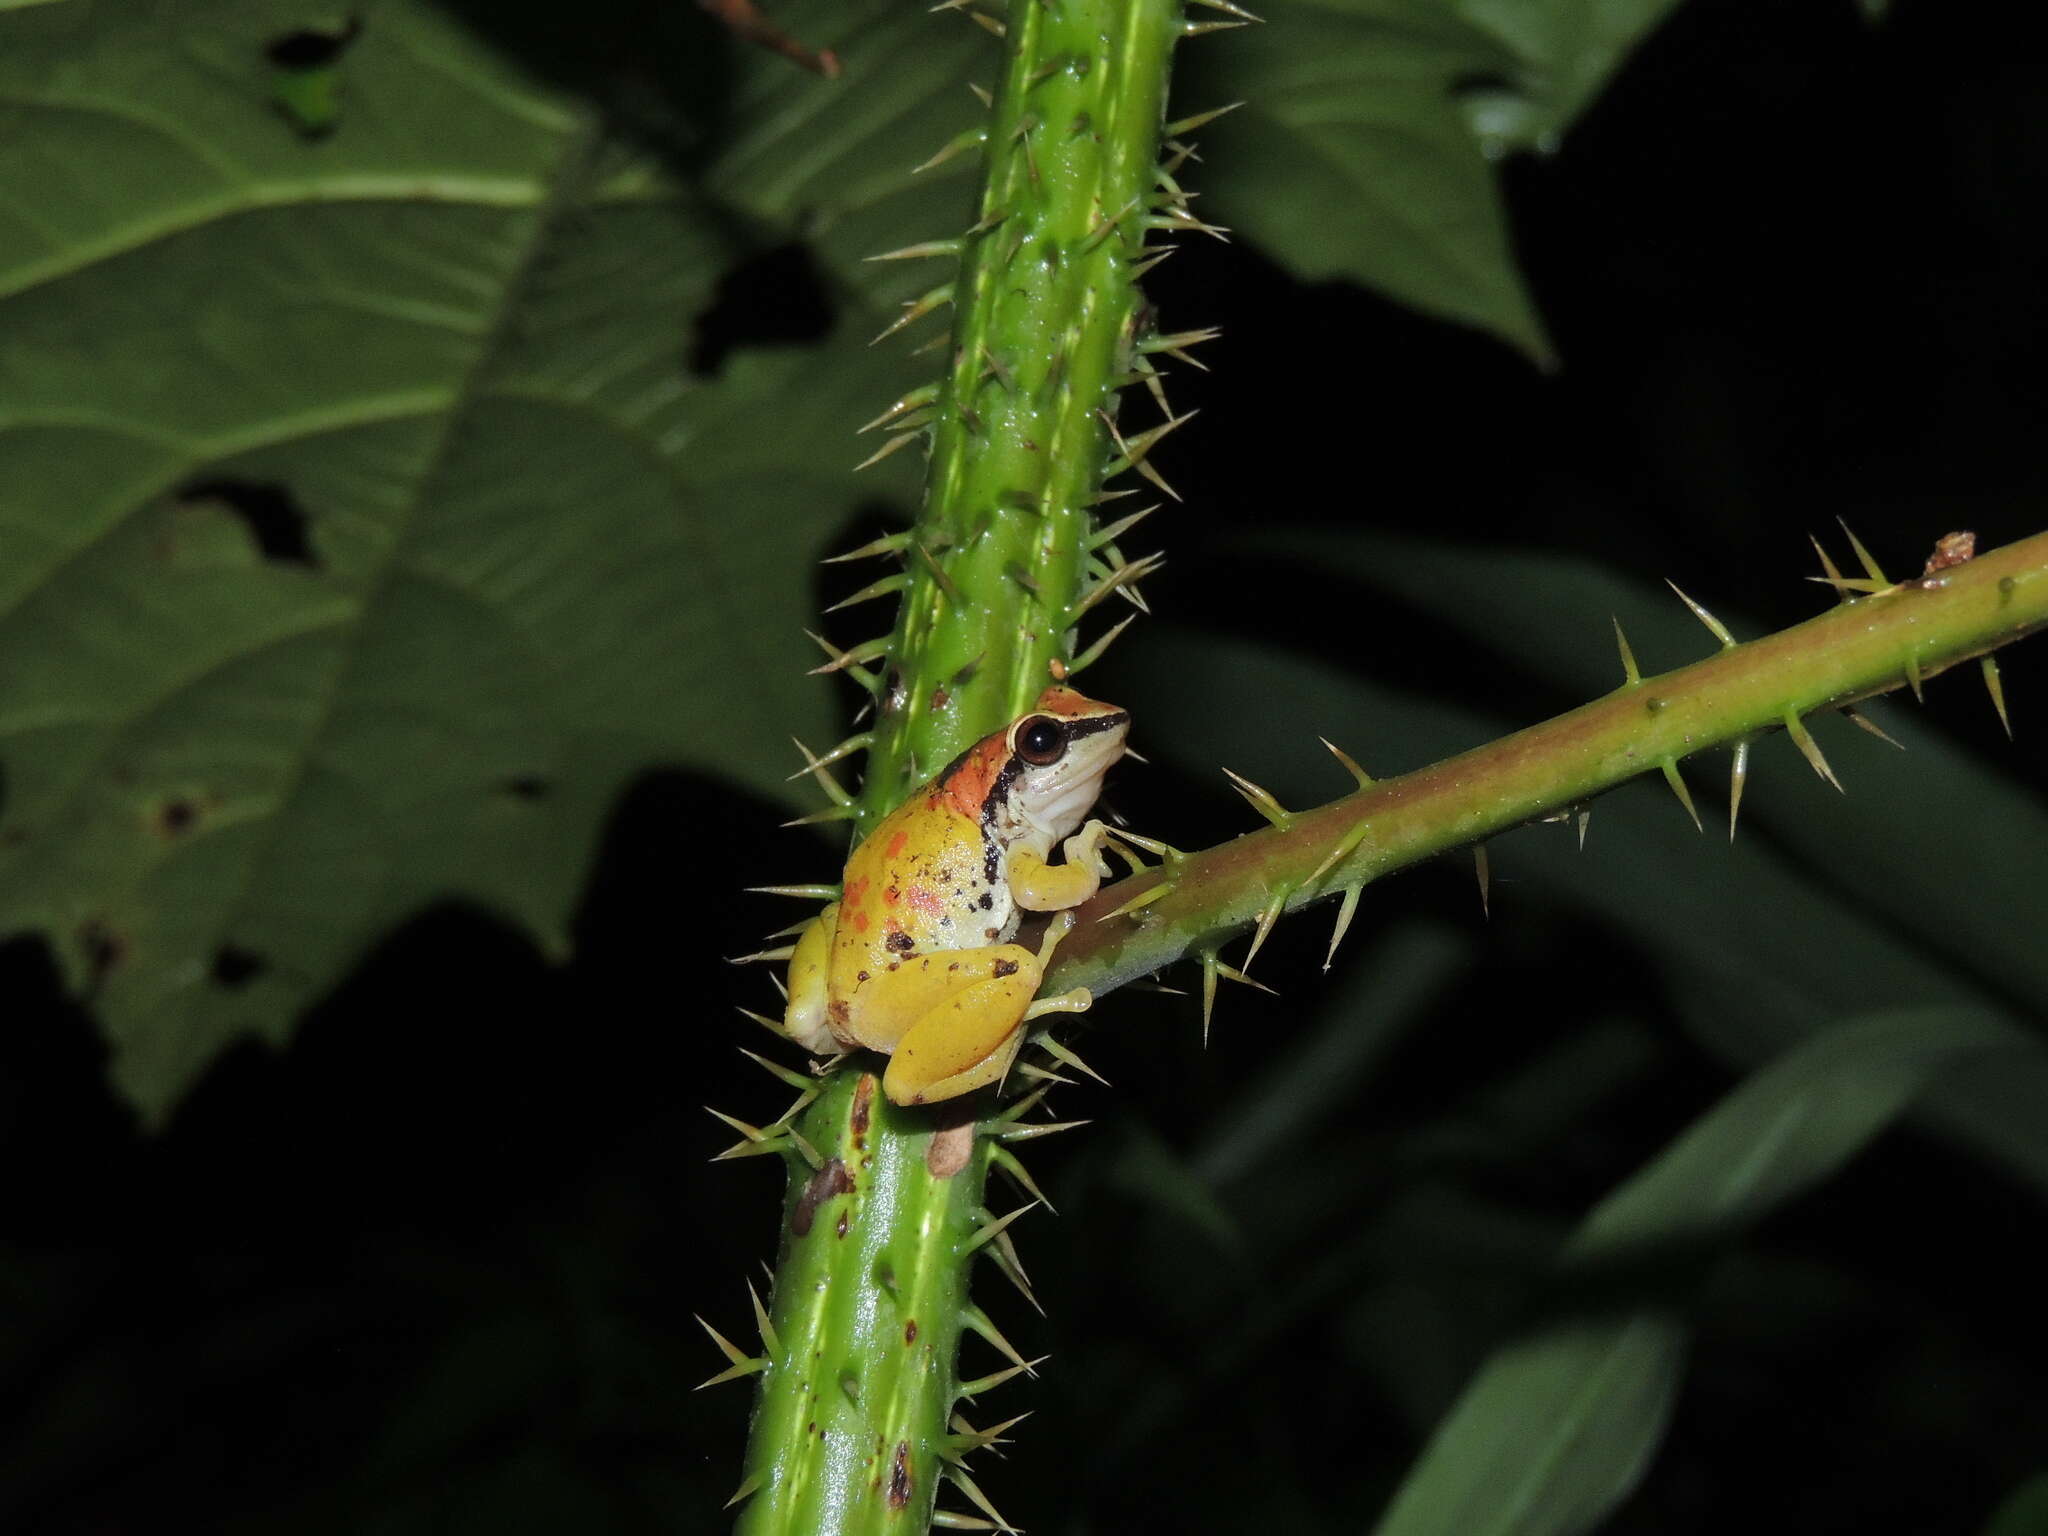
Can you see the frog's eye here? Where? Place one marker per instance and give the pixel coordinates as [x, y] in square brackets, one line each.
[1040, 741]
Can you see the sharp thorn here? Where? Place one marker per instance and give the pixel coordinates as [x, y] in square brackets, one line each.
[1714, 626]
[1671, 777]
[1122, 526]
[1267, 919]
[1347, 910]
[1738, 776]
[1093, 654]
[1870, 566]
[969, 1390]
[732, 1352]
[751, 1132]
[893, 582]
[1065, 1055]
[1208, 995]
[989, 1229]
[1485, 872]
[1350, 766]
[773, 1026]
[1013, 1165]
[816, 818]
[1260, 800]
[1809, 748]
[801, 892]
[1228, 974]
[1038, 1074]
[1033, 1130]
[768, 1336]
[1585, 819]
[775, 1069]
[973, 1317]
[1913, 679]
[1858, 718]
[761, 956]
[1630, 671]
[888, 543]
[1003, 1254]
[745, 1491]
[980, 1500]
[899, 441]
[1187, 125]
[834, 790]
[1833, 577]
[950, 247]
[1996, 688]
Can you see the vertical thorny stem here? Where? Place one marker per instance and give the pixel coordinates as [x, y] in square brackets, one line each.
[860, 1406]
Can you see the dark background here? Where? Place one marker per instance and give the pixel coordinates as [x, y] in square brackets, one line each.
[433, 1266]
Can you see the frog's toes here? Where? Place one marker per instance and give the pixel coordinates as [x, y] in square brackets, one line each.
[1061, 925]
[1080, 1000]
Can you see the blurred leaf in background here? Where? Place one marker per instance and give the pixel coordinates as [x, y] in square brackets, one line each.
[418, 428]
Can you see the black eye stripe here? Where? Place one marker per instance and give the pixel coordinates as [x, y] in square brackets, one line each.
[1093, 724]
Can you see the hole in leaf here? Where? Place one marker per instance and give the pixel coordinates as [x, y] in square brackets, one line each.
[234, 967]
[307, 86]
[777, 298]
[176, 816]
[311, 47]
[275, 520]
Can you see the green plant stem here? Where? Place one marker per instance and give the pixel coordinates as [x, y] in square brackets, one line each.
[1045, 332]
[856, 1419]
[1871, 645]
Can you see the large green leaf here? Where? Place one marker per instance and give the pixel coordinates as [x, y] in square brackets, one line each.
[365, 530]
[1366, 144]
[1558, 1427]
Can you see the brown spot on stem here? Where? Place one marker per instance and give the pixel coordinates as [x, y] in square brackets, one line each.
[901, 1484]
[863, 1107]
[910, 1331]
[949, 1148]
[828, 1181]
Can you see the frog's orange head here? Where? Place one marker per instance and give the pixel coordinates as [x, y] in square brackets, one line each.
[1057, 756]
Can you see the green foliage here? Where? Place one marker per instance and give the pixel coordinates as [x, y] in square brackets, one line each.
[373, 517]
[1373, 128]
[499, 549]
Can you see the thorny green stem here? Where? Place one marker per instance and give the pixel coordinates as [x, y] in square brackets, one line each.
[856, 1420]
[1045, 331]
[1871, 645]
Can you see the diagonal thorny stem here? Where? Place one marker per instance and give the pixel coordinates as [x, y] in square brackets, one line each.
[1889, 639]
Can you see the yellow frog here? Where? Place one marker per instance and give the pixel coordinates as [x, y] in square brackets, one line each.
[915, 957]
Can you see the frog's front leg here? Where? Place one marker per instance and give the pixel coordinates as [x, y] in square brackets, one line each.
[971, 1006]
[1042, 887]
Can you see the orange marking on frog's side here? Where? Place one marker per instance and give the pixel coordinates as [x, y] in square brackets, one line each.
[968, 786]
[860, 921]
[895, 845]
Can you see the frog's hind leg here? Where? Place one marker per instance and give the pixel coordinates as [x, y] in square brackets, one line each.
[806, 1018]
[1080, 999]
[970, 1036]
